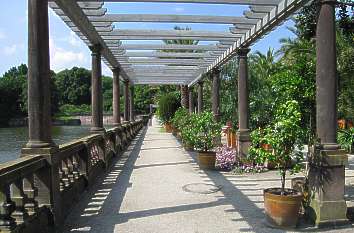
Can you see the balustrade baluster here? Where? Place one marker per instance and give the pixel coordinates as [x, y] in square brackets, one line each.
[65, 177]
[18, 197]
[70, 170]
[61, 177]
[31, 192]
[7, 223]
[76, 170]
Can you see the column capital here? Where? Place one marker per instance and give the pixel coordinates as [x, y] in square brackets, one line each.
[200, 82]
[116, 70]
[327, 2]
[215, 70]
[242, 52]
[95, 48]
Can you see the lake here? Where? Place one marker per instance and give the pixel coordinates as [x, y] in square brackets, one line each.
[12, 139]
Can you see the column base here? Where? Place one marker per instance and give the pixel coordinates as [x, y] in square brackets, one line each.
[97, 130]
[116, 124]
[243, 142]
[326, 186]
[39, 151]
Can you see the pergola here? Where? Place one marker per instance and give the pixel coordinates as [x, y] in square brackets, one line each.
[186, 65]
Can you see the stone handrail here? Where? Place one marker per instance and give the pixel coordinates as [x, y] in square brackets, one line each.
[33, 188]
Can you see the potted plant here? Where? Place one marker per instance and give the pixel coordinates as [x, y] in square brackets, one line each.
[281, 204]
[346, 139]
[204, 132]
[179, 120]
[187, 131]
[168, 104]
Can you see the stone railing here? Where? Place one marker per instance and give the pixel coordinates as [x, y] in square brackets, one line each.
[37, 192]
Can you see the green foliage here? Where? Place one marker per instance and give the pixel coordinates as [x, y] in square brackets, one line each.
[205, 131]
[346, 139]
[282, 135]
[180, 118]
[74, 86]
[74, 110]
[143, 97]
[168, 105]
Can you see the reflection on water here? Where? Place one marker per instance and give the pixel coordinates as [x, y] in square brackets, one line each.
[12, 139]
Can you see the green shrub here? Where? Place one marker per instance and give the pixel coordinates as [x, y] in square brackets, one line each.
[204, 131]
[282, 135]
[180, 118]
[346, 139]
[168, 105]
[74, 110]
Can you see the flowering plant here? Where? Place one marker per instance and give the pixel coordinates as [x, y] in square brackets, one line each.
[225, 157]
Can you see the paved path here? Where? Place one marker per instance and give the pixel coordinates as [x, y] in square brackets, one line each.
[144, 193]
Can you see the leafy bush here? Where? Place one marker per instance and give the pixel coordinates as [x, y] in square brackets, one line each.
[74, 110]
[180, 118]
[282, 135]
[168, 105]
[346, 139]
[204, 131]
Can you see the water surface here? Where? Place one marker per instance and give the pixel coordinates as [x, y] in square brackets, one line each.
[13, 139]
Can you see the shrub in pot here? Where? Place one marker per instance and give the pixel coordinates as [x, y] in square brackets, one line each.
[204, 131]
[168, 105]
[346, 139]
[179, 119]
[282, 205]
[187, 131]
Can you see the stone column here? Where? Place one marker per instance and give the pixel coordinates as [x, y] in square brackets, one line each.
[40, 142]
[191, 101]
[326, 175]
[39, 112]
[116, 97]
[126, 100]
[243, 133]
[216, 94]
[131, 104]
[96, 90]
[200, 96]
[184, 96]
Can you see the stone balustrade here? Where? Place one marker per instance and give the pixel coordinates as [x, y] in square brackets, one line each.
[31, 200]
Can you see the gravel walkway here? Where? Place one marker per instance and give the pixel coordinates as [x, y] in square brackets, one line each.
[157, 187]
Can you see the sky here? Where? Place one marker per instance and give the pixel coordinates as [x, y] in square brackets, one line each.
[67, 50]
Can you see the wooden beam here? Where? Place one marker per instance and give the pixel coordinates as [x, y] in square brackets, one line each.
[172, 19]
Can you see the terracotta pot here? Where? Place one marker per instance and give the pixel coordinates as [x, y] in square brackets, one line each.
[341, 123]
[228, 138]
[207, 160]
[282, 211]
[168, 127]
[233, 140]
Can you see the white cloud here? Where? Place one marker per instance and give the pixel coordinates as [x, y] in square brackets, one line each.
[179, 9]
[73, 40]
[10, 50]
[61, 58]
[2, 35]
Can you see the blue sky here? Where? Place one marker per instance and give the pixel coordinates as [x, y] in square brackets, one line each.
[67, 50]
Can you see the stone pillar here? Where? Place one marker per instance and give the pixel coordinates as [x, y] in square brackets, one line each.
[216, 94]
[96, 90]
[126, 100]
[131, 104]
[200, 96]
[39, 112]
[326, 175]
[184, 96]
[40, 142]
[191, 101]
[116, 97]
[243, 133]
